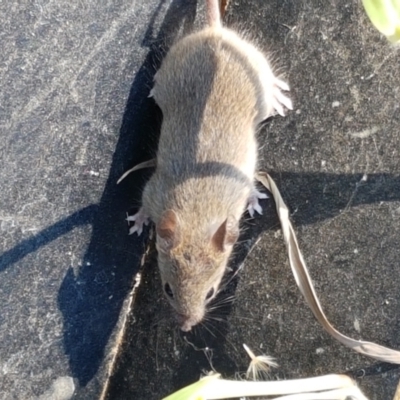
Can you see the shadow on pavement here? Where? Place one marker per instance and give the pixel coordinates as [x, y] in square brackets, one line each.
[91, 301]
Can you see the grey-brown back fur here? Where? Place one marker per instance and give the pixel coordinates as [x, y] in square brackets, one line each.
[211, 88]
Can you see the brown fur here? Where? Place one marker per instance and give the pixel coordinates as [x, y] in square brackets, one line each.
[211, 88]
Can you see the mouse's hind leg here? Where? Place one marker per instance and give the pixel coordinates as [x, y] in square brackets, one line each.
[252, 204]
[271, 99]
[274, 100]
[278, 99]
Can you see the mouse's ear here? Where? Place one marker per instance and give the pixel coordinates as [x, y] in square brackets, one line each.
[167, 231]
[226, 235]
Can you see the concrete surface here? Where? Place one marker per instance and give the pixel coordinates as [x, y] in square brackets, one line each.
[74, 116]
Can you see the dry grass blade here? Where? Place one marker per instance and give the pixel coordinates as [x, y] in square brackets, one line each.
[145, 164]
[353, 393]
[306, 287]
[397, 394]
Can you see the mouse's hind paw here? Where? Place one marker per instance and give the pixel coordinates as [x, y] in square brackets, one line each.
[139, 219]
[279, 99]
[253, 204]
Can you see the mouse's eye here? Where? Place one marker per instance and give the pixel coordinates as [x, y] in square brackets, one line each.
[168, 291]
[210, 294]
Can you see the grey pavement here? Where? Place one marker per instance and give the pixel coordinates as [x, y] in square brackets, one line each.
[75, 115]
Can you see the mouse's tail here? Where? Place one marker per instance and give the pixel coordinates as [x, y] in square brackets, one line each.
[215, 12]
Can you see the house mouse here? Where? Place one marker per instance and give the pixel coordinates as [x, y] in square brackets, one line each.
[213, 88]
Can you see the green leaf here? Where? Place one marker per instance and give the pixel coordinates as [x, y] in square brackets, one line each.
[195, 391]
[385, 16]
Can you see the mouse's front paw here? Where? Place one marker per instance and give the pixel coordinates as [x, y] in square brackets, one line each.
[253, 204]
[140, 219]
[279, 99]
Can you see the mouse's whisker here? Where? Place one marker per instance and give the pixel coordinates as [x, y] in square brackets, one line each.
[226, 299]
[224, 335]
[223, 302]
[204, 324]
[232, 276]
[218, 319]
[219, 307]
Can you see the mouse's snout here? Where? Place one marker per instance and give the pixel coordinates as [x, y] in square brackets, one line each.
[187, 322]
